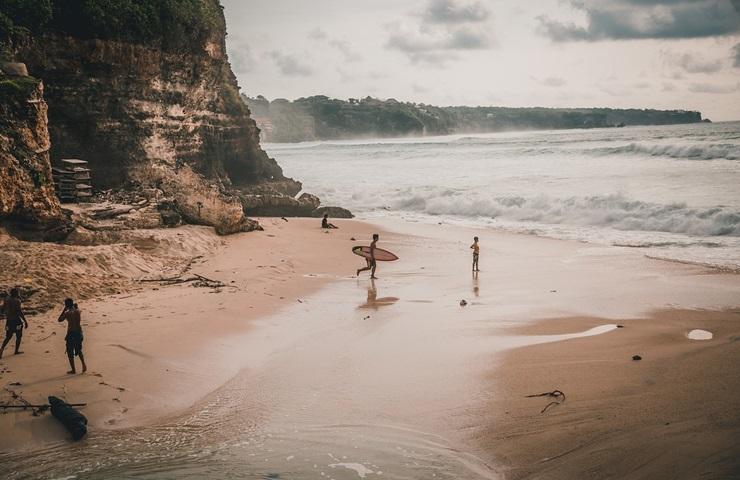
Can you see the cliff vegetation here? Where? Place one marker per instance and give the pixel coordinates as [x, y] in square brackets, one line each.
[323, 118]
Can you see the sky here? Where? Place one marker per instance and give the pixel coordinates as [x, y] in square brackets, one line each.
[680, 54]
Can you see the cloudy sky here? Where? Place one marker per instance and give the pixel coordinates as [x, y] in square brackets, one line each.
[554, 53]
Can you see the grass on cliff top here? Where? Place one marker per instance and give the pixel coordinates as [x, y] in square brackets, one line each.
[16, 89]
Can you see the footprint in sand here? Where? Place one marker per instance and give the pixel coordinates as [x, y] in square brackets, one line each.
[120, 389]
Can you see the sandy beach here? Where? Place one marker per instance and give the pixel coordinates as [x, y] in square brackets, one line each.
[152, 350]
[294, 343]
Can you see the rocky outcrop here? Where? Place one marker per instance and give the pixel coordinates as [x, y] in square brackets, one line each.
[333, 212]
[156, 117]
[28, 204]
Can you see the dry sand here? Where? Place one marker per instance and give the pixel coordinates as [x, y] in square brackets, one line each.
[152, 350]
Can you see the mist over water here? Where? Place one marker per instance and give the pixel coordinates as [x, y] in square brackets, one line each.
[672, 191]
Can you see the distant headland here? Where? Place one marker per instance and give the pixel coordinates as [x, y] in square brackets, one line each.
[322, 118]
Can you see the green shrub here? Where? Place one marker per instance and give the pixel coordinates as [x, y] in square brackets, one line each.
[173, 25]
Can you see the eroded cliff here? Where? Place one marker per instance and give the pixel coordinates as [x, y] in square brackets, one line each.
[144, 92]
[27, 200]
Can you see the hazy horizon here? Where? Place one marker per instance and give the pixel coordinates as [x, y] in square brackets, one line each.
[658, 54]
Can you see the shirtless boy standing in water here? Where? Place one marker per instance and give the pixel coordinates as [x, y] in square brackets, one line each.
[476, 254]
[71, 314]
[371, 262]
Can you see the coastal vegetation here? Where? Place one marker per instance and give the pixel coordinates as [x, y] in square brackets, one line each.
[322, 118]
[173, 24]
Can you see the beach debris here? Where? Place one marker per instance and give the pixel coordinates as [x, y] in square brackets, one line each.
[353, 239]
[284, 218]
[74, 421]
[46, 337]
[558, 395]
[197, 280]
[620, 326]
[636, 357]
[463, 302]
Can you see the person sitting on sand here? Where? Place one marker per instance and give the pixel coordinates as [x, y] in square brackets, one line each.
[476, 254]
[14, 320]
[71, 314]
[325, 222]
[371, 263]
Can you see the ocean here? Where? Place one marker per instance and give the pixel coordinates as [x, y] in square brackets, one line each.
[671, 191]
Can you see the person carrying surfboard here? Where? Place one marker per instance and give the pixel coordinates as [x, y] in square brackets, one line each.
[371, 263]
[476, 254]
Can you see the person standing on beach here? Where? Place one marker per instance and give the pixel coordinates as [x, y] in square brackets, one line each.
[14, 320]
[371, 263]
[71, 314]
[476, 254]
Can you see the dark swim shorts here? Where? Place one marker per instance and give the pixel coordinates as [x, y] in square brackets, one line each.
[74, 343]
[13, 329]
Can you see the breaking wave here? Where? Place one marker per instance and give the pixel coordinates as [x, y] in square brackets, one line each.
[715, 151]
[612, 211]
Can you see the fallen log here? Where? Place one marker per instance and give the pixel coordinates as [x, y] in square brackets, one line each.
[42, 407]
[114, 212]
[73, 421]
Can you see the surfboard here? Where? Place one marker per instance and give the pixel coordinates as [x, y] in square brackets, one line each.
[380, 254]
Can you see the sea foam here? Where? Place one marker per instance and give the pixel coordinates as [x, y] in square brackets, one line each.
[613, 211]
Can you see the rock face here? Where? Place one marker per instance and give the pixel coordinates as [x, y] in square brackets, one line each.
[159, 117]
[27, 200]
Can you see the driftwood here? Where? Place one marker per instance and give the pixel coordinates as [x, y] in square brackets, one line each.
[43, 406]
[113, 212]
[198, 281]
[73, 420]
[557, 394]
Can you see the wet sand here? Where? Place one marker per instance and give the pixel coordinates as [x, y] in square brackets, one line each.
[394, 376]
[152, 350]
[673, 414]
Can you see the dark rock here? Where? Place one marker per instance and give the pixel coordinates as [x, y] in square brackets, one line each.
[306, 200]
[334, 212]
[636, 357]
[14, 69]
[170, 218]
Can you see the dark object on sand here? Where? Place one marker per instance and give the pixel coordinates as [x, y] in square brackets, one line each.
[636, 357]
[73, 420]
[558, 395]
[463, 303]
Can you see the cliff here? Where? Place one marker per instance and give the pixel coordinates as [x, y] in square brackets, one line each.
[323, 118]
[144, 92]
[27, 200]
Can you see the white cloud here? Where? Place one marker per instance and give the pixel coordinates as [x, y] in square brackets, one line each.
[290, 64]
